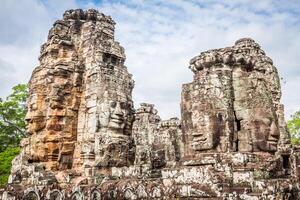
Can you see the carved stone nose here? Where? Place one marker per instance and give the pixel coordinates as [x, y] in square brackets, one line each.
[28, 117]
[118, 110]
[274, 132]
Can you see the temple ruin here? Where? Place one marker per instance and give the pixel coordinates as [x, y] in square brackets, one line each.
[87, 141]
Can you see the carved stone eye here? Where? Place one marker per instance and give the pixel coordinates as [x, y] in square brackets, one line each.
[113, 104]
[123, 105]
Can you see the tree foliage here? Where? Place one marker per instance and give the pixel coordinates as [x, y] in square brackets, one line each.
[294, 128]
[5, 163]
[12, 117]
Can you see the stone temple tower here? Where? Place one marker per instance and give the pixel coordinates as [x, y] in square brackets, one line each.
[86, 140]
[80, 109]
[233, 105]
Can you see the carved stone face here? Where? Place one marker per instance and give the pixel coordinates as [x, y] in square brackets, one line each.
[113, 130]
[253, 107]
[204, 135]
[264, 131]
[35, 118]
[35, 123]
[114, 115]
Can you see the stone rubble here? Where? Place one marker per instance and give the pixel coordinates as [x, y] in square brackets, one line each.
[86, 140]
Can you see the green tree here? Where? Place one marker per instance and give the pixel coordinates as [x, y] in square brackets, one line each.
[294, 128]
[5, 163]
[12, 117]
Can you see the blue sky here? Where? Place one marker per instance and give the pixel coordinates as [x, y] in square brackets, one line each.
[160, 37]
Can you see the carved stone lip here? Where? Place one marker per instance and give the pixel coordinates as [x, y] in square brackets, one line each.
[196, 139]
[117, 119]
[199, 139]
[197, 134]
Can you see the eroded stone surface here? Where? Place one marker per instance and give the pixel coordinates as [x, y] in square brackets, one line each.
[234, 102]
[86, 141]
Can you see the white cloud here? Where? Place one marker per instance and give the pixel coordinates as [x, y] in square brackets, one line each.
[24, 28]
[160, 37]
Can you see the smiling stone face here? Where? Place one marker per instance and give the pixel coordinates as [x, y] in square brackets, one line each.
[255, 111]
[204, 135]
[112, 142]
[264, 131]
[35, 116]
[114, 116]
[118, 115]
[35, 124]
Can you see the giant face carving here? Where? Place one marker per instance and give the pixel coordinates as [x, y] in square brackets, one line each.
[264, 130]
[254, 109]
[115, 116]
[35, 124]
[113, 130]
[204, 133]
[35, 118]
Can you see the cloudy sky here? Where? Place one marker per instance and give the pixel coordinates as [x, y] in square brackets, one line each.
[160, 37]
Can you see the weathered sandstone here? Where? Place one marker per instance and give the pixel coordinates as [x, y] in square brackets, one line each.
[86, 140]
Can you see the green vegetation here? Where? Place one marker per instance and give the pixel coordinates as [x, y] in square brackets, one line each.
[5, 163]
[12, 117]
[12, 128]
[294, 128]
